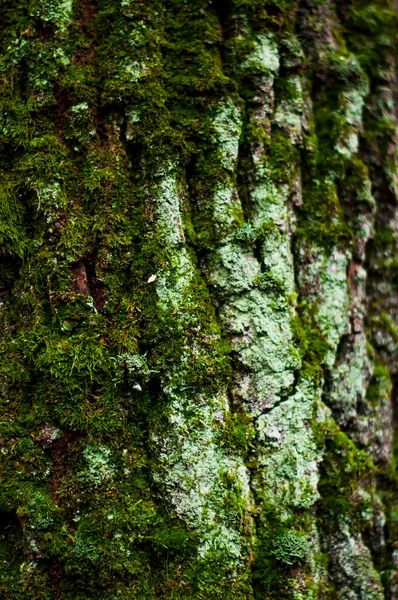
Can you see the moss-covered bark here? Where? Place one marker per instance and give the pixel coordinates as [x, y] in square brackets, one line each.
[198, 303]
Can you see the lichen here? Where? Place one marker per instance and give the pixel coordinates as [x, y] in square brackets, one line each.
[98, 465]
[227, 123]
[290, 455]
[207, 488]
[356, 577]
[264, 56]
[325, 283]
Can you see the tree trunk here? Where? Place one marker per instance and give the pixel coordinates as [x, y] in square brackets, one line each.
[199, 309]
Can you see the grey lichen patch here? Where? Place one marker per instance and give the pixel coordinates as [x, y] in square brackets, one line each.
[350, 379]
[290, 455]
[262, 338]
[382, 287]
[228, 126]
[376, 432]
[316, 563]
[323, 279]
[289, 112]
[352, 570]
[227, 209]
[351, 102]
[193, 471]
[232, 271]
[264, 57]
[166, 193]
[360, 398]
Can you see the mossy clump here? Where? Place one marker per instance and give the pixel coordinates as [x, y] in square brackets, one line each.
[290, 547]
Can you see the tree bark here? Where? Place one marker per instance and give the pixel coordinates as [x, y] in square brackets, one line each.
[198, 302]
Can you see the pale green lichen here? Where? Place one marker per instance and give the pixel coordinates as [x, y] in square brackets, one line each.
[289, 455]
[350, 379]
[85, 548]
[263, 62]
[268, 198]
[277, 261]
[172, 285]
[233, 271]
[351, 102]
[263, 342]
[255, 291]
[99, 467]
[228, 126]
[50, 197]
[81, 107]
[289, 112]
[227, 210]
[41, 511]
[194, 472]
[264, 56]
[257, 316]
[271, 213]
[134, 69]
[167, 194]
[324, 277]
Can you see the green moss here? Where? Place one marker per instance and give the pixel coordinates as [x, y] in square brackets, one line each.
[380, 384]
[290, 546]
[283, 157]
[343, 469]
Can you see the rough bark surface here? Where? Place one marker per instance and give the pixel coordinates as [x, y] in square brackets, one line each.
[198, 302]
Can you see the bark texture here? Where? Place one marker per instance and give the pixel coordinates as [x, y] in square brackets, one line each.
[198, 303]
